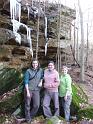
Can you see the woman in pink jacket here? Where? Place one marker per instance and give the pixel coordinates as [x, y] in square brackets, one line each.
[51, 83]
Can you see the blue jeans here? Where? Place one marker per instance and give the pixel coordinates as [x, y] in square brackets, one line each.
[46, 103]
[66, 106]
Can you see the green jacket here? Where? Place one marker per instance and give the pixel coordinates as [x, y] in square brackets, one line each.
[65, 85]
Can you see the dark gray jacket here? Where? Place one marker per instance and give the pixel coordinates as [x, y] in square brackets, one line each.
[33, 82]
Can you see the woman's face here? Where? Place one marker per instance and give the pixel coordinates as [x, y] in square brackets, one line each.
[64, 70]
[51, 66]
[35, 64]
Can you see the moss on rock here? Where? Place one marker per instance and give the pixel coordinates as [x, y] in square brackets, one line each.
[79, 98]
[9, 105]
[86, 113]
[9, 78]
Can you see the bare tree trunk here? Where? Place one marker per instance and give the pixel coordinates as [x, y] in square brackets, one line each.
[77, 55]
[82, 43]
[87, 48]
[58, 35]
[38, 21]
[74, 42]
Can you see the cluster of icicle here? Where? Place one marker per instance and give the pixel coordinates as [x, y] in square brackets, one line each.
[15, 10]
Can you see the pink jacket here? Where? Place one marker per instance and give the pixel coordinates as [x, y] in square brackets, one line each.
[51, 80]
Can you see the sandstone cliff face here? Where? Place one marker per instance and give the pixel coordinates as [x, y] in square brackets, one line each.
[17, 55]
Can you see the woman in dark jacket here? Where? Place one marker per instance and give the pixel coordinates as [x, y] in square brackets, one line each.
[33, 77]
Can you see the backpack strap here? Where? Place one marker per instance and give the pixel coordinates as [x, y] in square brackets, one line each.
[34, 74]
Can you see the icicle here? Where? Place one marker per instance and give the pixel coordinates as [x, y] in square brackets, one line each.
[28, 9]
[31, 51]
[17, 37]
[14, 8]
[46, 48]
[29, 39]
[16, 26]
[46, 35]
[19, 13]
[32, 3]
[18, 9]
[15, 29]
[45, 27]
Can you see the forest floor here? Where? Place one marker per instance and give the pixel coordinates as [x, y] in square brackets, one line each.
[87, 85]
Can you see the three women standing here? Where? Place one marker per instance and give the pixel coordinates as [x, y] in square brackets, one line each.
[52, 82]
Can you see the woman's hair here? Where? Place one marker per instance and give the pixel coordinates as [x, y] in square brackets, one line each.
[64, 66]
[51, 62]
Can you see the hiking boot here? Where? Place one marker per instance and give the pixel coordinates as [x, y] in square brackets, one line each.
[28, 121]
[74, 118]
[67, 122]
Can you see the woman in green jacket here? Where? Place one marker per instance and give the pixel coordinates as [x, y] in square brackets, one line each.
[65, 91]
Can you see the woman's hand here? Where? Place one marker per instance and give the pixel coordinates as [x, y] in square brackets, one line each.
[40, 83]
[28, 94]
[27, 91]
[65, 98]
